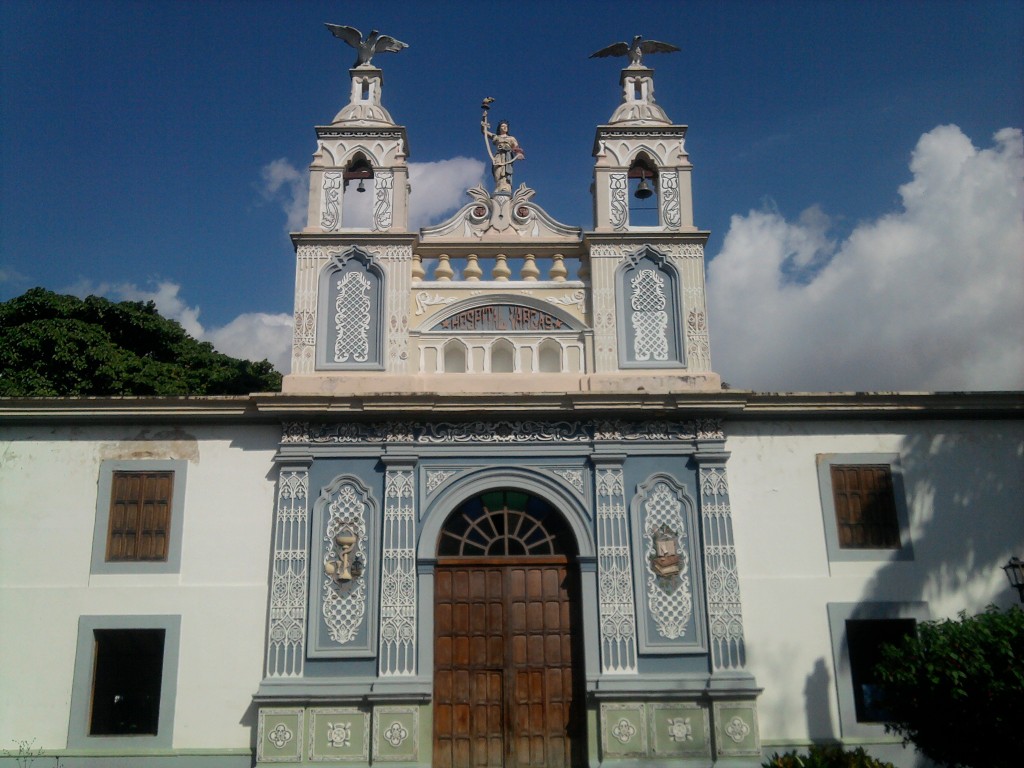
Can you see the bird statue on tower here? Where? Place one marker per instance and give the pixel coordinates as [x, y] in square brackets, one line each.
[374, 43]
[635, 50]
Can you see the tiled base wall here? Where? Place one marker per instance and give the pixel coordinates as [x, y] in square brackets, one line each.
[627, 732]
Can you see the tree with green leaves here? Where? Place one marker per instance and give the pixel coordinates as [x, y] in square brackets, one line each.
[53, 345]
[955, 689]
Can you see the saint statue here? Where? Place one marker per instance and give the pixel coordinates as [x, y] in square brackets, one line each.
[506, 152]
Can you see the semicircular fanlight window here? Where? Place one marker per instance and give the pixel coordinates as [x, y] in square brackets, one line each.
[505, 523]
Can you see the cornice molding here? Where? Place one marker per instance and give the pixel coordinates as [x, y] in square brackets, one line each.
[731, 405]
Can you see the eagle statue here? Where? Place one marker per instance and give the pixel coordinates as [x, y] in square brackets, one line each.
[375, 42]
[634, 50]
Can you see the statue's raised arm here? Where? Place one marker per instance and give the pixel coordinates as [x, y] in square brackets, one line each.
[374, 43]
[635, 50]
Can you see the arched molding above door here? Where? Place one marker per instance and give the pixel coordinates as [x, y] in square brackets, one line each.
[493, 478]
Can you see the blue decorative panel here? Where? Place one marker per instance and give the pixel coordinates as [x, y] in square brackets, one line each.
[349, 318]
[343, 571]
[667, 567]
[648, 310]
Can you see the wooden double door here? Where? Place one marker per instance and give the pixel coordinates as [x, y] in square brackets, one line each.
[506, 650]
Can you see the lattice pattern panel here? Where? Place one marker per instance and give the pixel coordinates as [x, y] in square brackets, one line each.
[286, 631]
[669, 593]
[615, 576]
[343, 605]
[352, 319]
[649, 318]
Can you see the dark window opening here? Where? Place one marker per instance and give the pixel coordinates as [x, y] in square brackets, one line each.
[864, 638]
[128, 670]
[865, 506]
[140, 516]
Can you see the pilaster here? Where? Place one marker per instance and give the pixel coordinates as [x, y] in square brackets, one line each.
[286, 624]
[615, 570]
[398, 630]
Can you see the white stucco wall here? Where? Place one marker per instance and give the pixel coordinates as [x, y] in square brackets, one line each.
[48, 496]
[964, 482]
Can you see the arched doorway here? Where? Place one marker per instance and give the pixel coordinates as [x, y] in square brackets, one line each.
[507, 643]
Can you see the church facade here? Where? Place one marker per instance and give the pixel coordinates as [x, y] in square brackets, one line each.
[503, 512]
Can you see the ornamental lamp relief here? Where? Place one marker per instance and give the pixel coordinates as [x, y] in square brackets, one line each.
[344, 567]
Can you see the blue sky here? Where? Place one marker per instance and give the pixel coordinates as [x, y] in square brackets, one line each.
[137, 137]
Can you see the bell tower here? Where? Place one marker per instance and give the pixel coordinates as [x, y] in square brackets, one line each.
[353, 256]
[364, 152]
[646, 255]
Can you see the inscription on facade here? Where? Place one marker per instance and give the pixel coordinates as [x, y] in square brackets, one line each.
[501, 317]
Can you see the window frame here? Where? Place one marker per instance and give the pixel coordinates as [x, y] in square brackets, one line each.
[838, 615]
[101, 533]
[83, 683]
[836, 553]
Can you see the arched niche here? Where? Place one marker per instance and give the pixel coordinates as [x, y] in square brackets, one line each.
[503, 356]
[455, 355]
[549, 356]
[648, 297]
[350, 313]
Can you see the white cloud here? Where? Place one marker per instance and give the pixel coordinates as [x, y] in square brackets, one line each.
[928, 297]
[437, 188]
[284, 183]
[255, 336]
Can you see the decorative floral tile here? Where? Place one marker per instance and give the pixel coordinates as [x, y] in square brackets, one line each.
[680, 729]
[623, 730]
[736, 730]
[279, 736]
[396, 733]
[339, 734]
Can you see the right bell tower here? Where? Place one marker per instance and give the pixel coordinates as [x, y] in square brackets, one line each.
[647, 257]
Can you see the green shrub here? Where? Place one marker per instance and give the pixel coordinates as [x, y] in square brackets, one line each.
[828, 756]
[955, 689]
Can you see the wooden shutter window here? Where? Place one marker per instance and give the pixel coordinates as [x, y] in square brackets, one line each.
[865, 506]
[140, 516]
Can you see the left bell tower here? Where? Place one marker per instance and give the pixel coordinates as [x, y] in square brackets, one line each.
[362, 150]
[353, 255]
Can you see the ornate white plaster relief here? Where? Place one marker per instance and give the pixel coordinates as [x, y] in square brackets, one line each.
[352, 319]
[330, 202]
[725, 615]
[286, 631]
[614, 576]
[618, 205]
[670, 210]
[344, 601]
[649, 318]
[669, 592]
[383, 204]
[397, 656]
